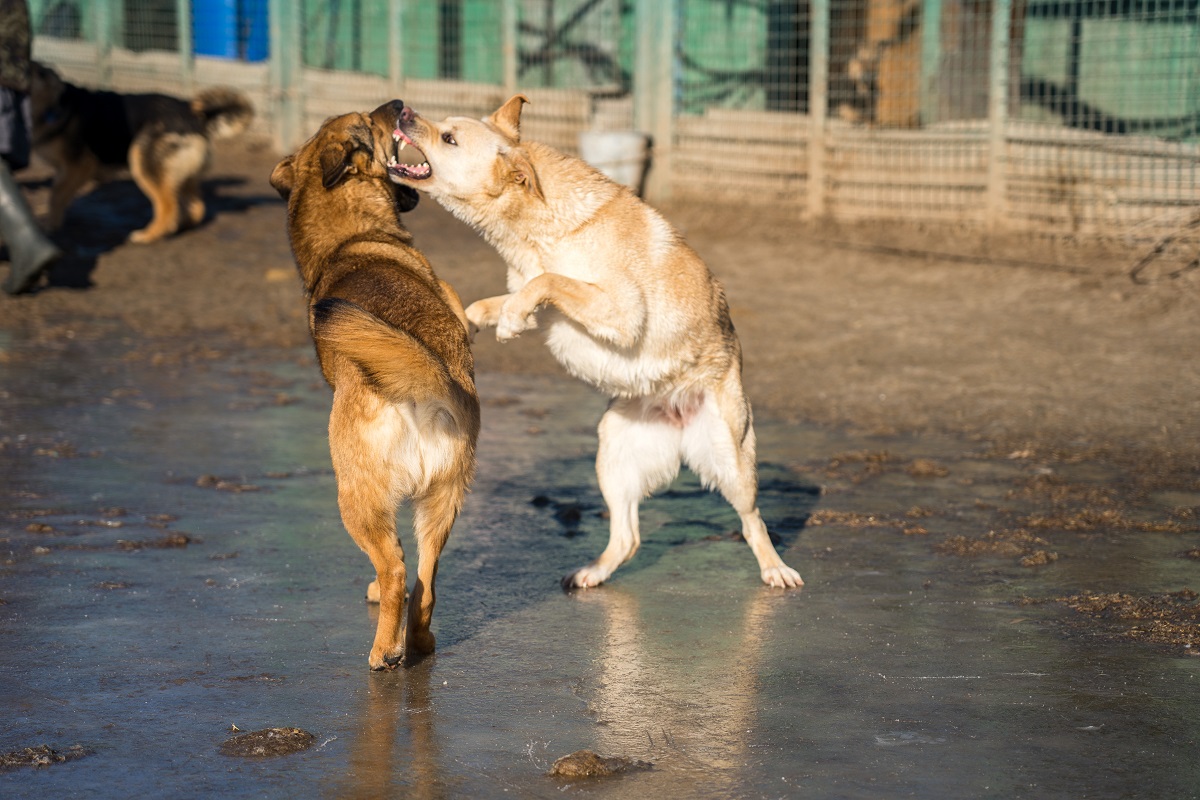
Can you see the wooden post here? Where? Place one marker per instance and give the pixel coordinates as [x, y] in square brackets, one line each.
[654, 89]
[287, 74]
[818, 107]
[997, 186]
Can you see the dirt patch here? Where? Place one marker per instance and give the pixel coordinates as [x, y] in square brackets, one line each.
[268, 743]
[40, 756]
[586, 764]
[1027, 548]
[1162, 619]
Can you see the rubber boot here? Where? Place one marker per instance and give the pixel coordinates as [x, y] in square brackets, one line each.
[30, 251]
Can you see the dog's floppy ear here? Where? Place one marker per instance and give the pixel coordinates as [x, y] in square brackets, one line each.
[406, 198]
[335, 163]
[283, 177]
[508, 117]
[521, 172]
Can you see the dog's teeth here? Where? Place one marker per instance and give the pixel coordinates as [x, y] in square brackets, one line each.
[403, 144]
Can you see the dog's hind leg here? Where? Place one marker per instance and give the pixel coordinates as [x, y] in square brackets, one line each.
[638, 453]
[69, 180]
[192, 202]
[433, 517]
[367, 499]
[163, 196]
[719, 445]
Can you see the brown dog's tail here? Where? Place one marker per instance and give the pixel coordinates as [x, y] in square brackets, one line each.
[226, 112]
[400, 367]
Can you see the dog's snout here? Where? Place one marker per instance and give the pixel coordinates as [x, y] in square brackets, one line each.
[406, 113]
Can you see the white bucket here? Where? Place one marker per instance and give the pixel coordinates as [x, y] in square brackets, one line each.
[621, 155]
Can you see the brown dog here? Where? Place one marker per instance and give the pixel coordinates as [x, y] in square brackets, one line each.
[630, 308]
[392, 342]
[165, 143]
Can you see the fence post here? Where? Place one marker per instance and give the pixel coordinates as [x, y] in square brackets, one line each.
[395, 50]
[931, 60]
[286, 72]
[183, 35]
[509, 51]
[818, 107]
[104, 43]
[654, 88]
[997, 187]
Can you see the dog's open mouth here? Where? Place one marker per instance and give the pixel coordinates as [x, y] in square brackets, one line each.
[408, 162]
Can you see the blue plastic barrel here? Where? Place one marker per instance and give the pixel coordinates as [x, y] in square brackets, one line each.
[231, 29]
[214, 28]
[255, 34]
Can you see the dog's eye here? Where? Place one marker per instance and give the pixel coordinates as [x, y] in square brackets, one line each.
[448, 138]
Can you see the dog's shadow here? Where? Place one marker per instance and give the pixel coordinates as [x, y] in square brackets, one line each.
[101, 220]
[564, 521]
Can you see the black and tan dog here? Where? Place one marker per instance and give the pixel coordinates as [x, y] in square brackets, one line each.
[164, 142]
[392, 342]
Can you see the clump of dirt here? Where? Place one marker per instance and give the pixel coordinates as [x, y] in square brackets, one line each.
[1168, 619]
[852, 519]
[168, 542]
[268, 743]
[1019, 544]
[1055, 490]
[223, 485]
[926, 468]
[586, 764]
[859, 466]
[1093, 519]
[40, 756]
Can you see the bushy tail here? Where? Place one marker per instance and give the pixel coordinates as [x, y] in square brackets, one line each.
[226, 112]
[400, 368]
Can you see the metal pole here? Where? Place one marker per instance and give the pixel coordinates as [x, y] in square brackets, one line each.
[818, 107]
[104, 35]
[654, 88]
[931, 60]
[510, 45]
[395, 47]
[183, 36]
[997, 186]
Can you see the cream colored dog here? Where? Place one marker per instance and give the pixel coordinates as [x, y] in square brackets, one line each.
[635, 312]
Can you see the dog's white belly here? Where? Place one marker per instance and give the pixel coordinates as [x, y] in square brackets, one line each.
[625, 372]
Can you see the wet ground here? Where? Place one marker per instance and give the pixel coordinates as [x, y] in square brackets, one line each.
[978, 620]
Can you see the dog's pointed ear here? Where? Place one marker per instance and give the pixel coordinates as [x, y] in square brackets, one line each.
[335, 163]
[508, 117]
[283, 177]
[406, 198]
[521, 172]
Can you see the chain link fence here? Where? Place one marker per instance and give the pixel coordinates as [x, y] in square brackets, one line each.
[1075, 116]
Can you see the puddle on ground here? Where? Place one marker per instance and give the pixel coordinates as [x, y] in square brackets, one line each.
[173, 568]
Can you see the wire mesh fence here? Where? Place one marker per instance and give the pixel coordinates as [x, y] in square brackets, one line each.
[1078, 116]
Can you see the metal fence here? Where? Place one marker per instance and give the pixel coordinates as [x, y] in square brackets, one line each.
[1078, 116]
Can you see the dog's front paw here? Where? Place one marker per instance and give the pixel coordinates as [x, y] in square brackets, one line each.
[584, 578]
[477, 314]
[782, 577]
[512, 327]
